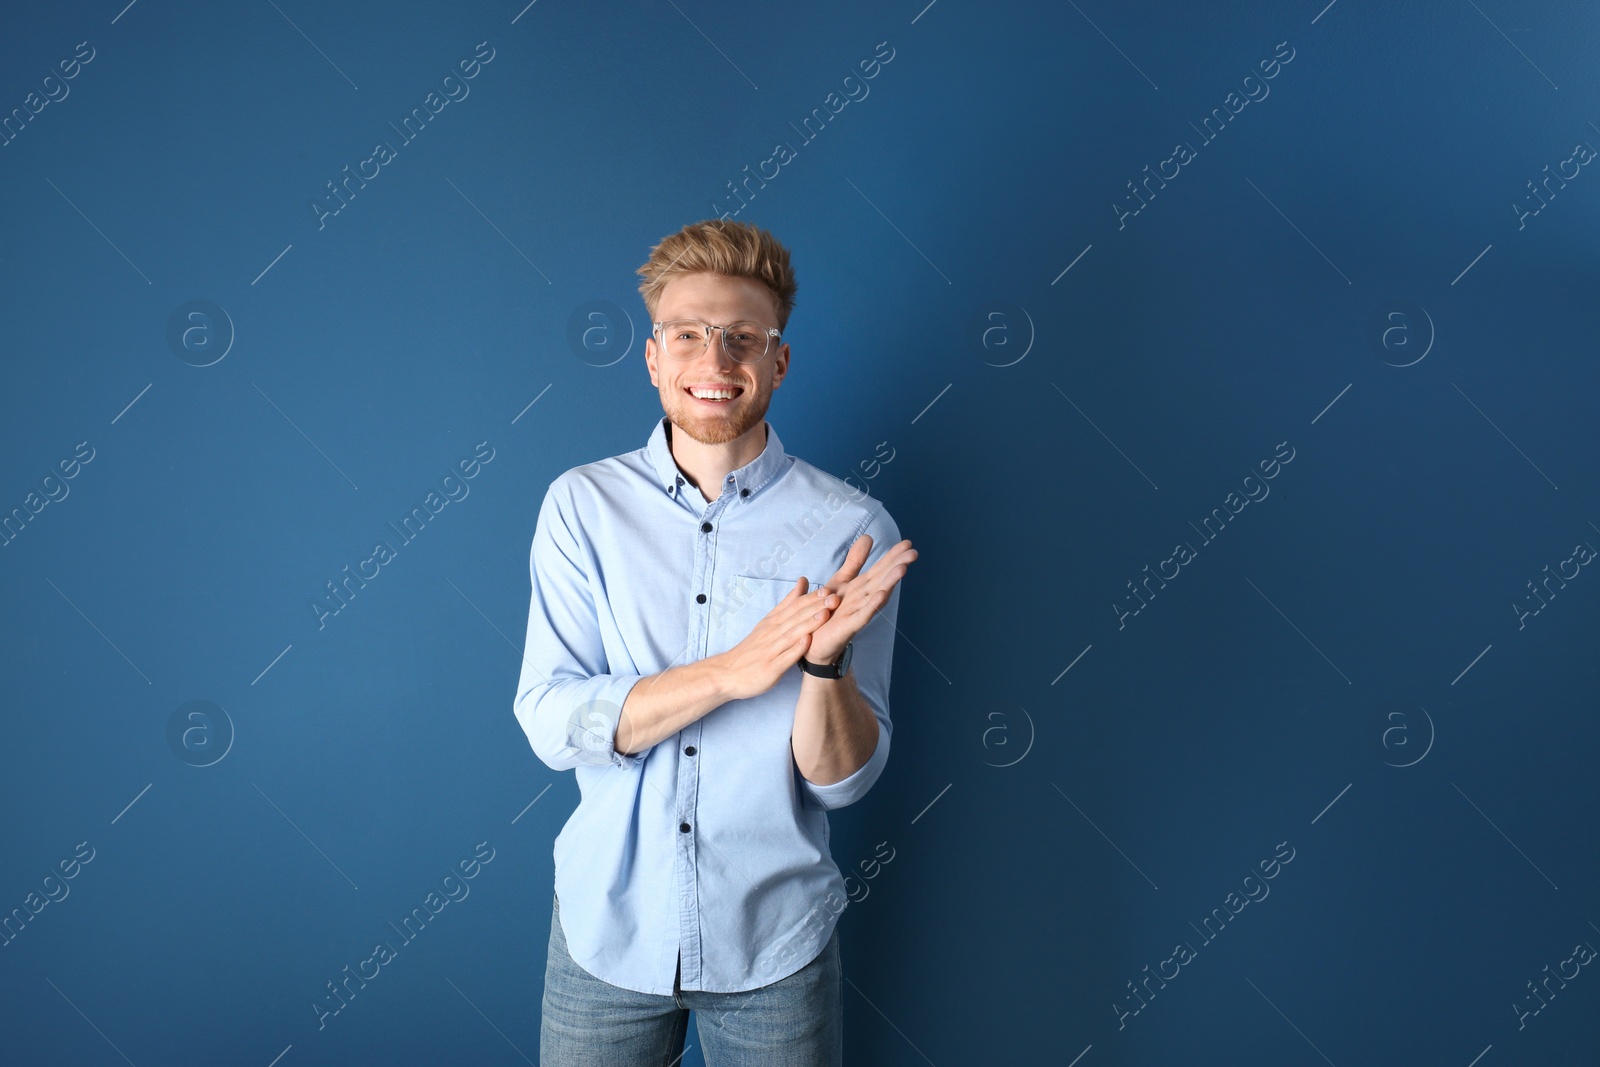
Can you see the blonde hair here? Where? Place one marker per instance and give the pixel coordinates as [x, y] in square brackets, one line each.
[721, 246]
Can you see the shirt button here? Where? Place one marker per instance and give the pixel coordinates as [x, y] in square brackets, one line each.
[689, 751]
[744, 492]
[705, 527]
[700, 598]
[683, 826]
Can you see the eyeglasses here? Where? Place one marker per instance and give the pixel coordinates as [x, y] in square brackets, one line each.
[746, 342]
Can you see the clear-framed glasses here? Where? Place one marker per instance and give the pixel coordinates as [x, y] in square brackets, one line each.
[745, 342]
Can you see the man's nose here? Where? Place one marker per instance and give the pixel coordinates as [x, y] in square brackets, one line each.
[717, 345]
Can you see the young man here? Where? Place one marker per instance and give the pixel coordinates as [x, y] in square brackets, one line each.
[708, 649]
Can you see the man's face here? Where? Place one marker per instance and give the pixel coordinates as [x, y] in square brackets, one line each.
[717, 300]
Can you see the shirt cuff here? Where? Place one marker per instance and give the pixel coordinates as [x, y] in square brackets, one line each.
[849, 790]
[592, 725]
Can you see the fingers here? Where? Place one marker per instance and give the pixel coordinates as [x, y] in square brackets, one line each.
[805, 610]
[901, 554]
[818, 615]
[853, 560]
[803, 615]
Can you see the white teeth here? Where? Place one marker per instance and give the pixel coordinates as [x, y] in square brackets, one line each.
[713, 394]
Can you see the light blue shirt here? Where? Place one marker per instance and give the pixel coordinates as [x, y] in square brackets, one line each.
[711, 843]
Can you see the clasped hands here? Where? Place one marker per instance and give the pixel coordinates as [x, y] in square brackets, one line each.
[816, 623]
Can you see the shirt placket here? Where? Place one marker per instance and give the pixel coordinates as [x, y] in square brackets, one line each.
[691, 738]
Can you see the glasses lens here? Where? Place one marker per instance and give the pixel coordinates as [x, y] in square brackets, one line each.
[746, 341]
[683, 338]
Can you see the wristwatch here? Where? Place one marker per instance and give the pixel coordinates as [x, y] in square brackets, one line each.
[837, 669]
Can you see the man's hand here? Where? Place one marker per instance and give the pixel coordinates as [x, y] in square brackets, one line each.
[756, 664]
[855, 597]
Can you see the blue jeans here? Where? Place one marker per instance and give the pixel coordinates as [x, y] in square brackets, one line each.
[796, 1021]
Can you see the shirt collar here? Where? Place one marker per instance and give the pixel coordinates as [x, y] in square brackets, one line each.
[745, 482]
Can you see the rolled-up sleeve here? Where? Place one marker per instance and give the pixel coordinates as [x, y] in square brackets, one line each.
[566, 702]
[871, 658]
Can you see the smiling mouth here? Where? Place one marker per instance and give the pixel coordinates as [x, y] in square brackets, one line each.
[736, 390]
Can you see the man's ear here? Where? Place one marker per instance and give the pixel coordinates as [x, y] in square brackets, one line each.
[780, 364]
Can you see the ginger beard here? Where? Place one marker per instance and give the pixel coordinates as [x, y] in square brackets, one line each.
[721, 423]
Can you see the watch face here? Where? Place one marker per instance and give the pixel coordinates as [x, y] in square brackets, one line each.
[844, 658]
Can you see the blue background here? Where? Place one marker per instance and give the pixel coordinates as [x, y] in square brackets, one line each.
[1068, 391]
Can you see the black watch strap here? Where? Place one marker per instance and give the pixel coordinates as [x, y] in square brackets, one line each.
[835, 670]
